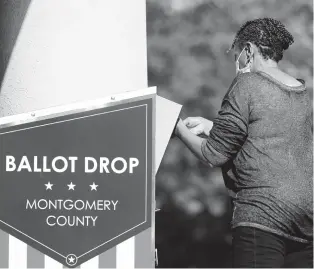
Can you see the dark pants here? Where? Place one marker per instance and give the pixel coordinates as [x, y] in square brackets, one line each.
[253, 248]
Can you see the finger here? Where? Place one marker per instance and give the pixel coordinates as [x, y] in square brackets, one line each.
[187, 121]
[208, 128]
[210, 124]
[197, 130]
[191, 122]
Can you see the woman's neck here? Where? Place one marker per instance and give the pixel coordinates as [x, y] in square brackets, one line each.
[266, 65]
[271, 68]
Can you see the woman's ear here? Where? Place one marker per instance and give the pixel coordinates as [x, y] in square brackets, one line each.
[249, 48]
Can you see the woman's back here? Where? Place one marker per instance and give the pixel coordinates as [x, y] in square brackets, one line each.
[274, 171]
[278, 109]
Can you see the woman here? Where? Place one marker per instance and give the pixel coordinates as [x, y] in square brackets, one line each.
[262, 139]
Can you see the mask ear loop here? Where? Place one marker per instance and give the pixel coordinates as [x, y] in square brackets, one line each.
[249, 59]
[248, 64]
[238, 59]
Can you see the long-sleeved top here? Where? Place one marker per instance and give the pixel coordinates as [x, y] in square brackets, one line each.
[262, 139]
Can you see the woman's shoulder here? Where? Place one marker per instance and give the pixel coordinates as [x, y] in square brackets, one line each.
[244, 83]
[248, 78]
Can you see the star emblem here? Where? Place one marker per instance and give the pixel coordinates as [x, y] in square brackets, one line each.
[48, 186]
[71, 259]
[71, 186]
[93, 186]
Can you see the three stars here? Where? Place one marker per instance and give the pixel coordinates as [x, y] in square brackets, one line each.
[71, 186]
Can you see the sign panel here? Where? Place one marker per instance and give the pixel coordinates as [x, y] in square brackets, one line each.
[75, 185]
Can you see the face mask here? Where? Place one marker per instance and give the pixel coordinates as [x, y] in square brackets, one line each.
[245, 69]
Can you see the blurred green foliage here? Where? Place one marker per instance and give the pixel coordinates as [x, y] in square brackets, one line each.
[188, 63]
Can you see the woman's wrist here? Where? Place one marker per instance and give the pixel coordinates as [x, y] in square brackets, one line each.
[174, 132]
[180, 128]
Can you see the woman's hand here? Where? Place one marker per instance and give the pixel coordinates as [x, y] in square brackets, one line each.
[192, 141]
[198, 125]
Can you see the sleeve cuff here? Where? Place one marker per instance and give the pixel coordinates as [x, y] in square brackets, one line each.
[213, 157]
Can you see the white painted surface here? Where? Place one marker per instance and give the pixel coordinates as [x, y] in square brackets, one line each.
[17, 254]
[125, 254]
[91, 264]
[52, 264]
[76, 49]
[167, 113]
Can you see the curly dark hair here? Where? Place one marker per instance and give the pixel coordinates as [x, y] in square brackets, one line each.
[269, 35]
